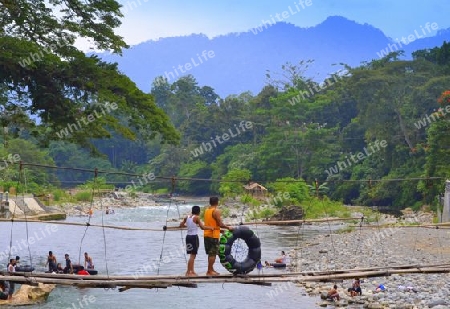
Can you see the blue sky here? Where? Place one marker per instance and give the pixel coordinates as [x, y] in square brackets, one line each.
[152, 19]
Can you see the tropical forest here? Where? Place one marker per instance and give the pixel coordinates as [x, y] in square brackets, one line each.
[376, 135]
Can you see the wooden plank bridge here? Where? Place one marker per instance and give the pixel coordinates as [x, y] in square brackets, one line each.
[124, 283]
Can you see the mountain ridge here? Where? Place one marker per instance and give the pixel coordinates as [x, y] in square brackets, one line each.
[241, 59]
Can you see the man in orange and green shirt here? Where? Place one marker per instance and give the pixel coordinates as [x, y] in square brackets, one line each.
[213, 219]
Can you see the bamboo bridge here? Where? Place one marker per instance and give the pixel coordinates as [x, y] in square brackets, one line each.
[125, 282]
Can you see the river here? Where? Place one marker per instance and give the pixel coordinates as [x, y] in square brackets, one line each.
[136, 252]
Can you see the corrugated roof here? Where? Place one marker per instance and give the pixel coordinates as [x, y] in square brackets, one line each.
[253, 186]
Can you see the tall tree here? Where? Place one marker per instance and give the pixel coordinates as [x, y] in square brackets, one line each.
[47, 77]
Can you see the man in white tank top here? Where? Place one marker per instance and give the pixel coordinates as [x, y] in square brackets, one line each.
[11, 269]
[192, 241]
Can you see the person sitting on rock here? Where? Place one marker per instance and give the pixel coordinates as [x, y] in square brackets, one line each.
[407, 288]
[59, 269]
[333, 294]
[380, 288]
[356, 288]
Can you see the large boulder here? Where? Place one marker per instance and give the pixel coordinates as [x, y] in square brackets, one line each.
[292, 212]
[28, 295]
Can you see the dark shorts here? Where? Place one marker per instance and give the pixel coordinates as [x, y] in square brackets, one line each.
[357, 290]
[192, 244]
[12, 286]
[212, 246]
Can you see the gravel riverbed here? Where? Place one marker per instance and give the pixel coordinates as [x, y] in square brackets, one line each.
[384, 248]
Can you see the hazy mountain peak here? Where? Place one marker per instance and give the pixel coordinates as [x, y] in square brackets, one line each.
[238, 61]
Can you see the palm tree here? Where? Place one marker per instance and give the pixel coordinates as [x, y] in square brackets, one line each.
[318, 190]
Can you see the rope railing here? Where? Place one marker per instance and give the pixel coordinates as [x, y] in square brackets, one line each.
[277, 222]
[170, 178]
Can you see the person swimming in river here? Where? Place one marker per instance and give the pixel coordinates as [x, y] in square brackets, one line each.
[88, 261]
[281, 260]
[51, 262]
[356, 288]
[69, 267]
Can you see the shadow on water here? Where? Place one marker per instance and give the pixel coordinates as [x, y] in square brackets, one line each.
[130, 252]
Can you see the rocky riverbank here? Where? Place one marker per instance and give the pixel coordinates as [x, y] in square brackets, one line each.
[121, 200]
[370, 247]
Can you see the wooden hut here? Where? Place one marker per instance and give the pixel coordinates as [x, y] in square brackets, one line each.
[256, 190]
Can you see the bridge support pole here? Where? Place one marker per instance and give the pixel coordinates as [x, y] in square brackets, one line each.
[446, 208]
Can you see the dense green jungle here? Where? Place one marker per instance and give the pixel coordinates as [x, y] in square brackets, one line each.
[377, 134]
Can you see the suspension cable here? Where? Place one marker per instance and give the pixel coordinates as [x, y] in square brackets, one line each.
[302, 225]
[90, 212]
[231, 181]
[173, 180]
[329, 226]
[22, 174]
[181, 233]
[104, 237]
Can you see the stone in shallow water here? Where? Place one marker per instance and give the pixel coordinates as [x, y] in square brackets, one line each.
[28, 295]
[437, 302]
[342, 303]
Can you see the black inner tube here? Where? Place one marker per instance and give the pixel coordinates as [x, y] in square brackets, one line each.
[254, 250]
[25, 268]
